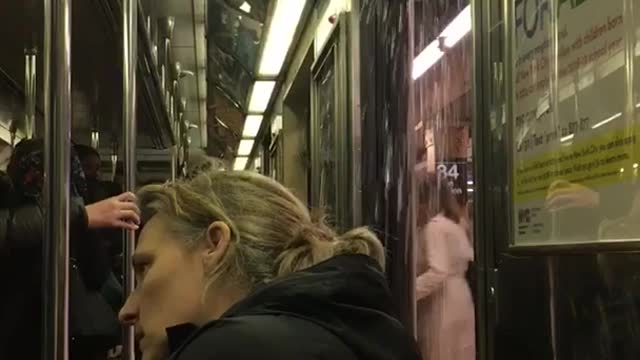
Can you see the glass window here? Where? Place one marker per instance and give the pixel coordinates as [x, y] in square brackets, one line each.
[574, 105]
[442, 127]
[326, 116]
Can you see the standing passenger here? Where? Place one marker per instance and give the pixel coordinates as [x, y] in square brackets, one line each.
[446, 324]
[21, 237]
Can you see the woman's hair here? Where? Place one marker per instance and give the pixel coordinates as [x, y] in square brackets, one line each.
[199, 162]
[449, 206]
[272, 232]
[85, 151]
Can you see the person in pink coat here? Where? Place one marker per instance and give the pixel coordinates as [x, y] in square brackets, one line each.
[446, 324]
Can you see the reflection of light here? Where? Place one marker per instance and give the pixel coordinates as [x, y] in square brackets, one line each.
[621, 170]
[240, 163]
[638, 105]
[426, 59]
[635, 166]
[246, 7]
[244, 149]
[470, 182]
[282, 27]
[260, 96]
[95, 139]
[456, 30]
[469, 190]
[567, 138]
[607, 120]
[276, 124]
[251, 126]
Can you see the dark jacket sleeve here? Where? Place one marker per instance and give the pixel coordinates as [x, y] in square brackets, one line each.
[24, 228]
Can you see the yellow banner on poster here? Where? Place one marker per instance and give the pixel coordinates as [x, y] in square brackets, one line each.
[600, 160]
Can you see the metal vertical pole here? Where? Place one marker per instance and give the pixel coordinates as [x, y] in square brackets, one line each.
[57, 56]
[30, 92]
[129, 61]
[174, 148]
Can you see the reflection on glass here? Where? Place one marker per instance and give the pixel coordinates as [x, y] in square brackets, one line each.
[326, 116]
[446, 324]
[442, 132]
[235, 32]
[226, 73]
[574, 138]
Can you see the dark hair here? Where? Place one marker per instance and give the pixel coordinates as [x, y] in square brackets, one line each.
[26, 169]
[448, 203]
[85, 151]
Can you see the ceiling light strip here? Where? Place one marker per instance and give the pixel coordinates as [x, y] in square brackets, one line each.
[260, 96]
[450, 36]
[282, 29]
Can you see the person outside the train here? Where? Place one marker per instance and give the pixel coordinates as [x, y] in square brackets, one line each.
[446, 324]
[21, 240]
[230, 265]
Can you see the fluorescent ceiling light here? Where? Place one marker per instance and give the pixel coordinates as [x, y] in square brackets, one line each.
[456, 30]
[246, 7]
[426, 59]
[245, 147]
[276, 124]
[251, 126]
[5, 134]
[567, 138]
[282, 27]
[260, 96]
[607, 120]
[459, 27]
[240, 163]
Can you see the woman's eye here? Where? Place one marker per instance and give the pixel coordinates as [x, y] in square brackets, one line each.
[140, 269]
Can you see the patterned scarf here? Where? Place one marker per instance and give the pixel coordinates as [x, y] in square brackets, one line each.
[26, 169]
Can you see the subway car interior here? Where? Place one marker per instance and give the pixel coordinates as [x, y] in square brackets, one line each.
[485, 142]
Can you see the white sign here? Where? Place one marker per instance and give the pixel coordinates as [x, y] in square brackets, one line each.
[574, 122]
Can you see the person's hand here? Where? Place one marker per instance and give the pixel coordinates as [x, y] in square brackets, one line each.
[117, 212]
[563, 195]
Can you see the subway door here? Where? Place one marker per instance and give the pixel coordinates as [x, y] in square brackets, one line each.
[330, 134]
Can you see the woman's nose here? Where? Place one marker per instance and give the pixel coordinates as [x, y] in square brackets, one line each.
[129, 312]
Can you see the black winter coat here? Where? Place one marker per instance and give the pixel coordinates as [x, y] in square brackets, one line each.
[340, 309]
[21, 236]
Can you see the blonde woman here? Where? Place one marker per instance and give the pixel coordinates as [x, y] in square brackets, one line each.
[230, 265]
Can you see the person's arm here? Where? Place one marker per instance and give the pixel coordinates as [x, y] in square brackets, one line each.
[437, 255]
[25, 224]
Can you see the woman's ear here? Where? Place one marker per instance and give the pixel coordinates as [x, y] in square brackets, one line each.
[218, 239]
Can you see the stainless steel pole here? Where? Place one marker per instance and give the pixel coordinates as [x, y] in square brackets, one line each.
[174, 148]
[130, 62]
[30, 92]
[57, 56]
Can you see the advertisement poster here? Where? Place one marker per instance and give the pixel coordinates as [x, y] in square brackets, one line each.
[576, 149]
